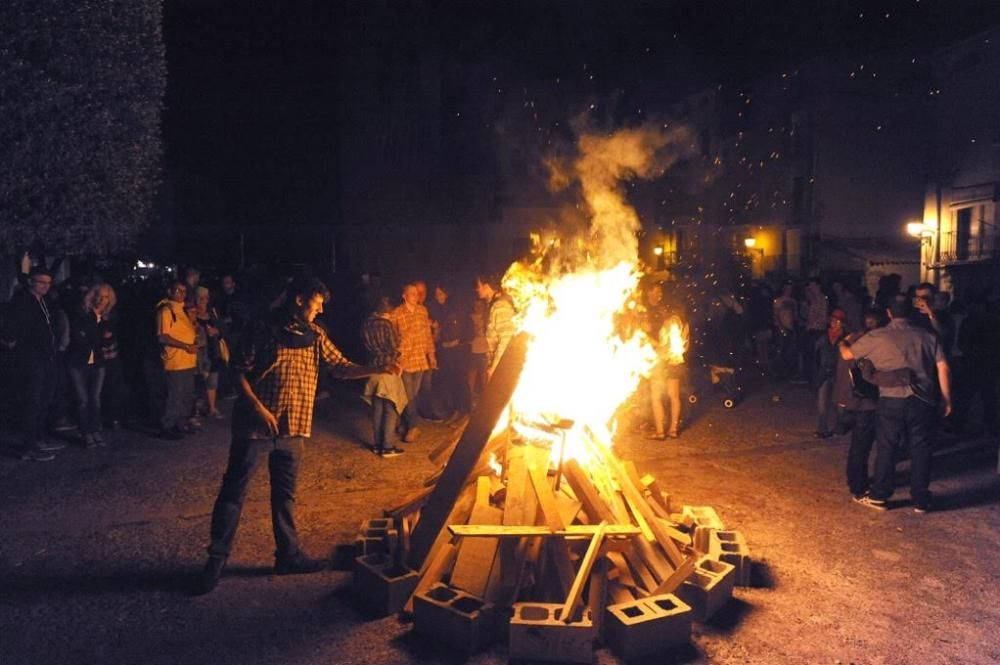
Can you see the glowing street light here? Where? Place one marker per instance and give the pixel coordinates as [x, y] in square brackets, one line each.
[919, 230]
[658, 250]
[750, 242]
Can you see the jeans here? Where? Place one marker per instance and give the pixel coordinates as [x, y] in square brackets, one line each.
[413, 384]
[862, 426]
[898, 418]
[825, 407]
[180, 398]
[87, 383]
[384, 420]
[245, 455]
[38, 383]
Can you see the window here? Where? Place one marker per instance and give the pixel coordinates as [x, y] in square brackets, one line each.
[963, 233]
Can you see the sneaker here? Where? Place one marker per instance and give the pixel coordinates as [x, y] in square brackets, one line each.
[36, 455]
[49, 446]
[299, 564]
[210, 574]
[412, 434]
[99, 439]
[89, 441]
[921, 507]
[216, 414]
[869, 502]
[63, 425]
[391, 452]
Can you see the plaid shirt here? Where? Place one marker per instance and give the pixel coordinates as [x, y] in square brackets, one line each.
[416, 343]
[381, 340]
[284, 379]
[500, 328]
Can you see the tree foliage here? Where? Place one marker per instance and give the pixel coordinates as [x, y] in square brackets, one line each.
[81, 96]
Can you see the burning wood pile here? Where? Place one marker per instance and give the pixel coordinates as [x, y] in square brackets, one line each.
[534, 529]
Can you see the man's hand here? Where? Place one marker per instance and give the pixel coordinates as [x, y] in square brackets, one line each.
[267, 418]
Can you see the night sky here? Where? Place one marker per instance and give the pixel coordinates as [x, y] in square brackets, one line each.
[300, 114]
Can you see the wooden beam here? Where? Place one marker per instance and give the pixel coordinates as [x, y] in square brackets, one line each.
[520, 531]
[683, 572]
[477, 556]
[436, 566]
[470, 447]
[546, 499]
[595, 507]
[597, 594]
[410, 504]
[582, 574]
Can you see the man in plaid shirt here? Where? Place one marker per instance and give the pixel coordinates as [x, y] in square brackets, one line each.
[417, 355]
[500, 325]
[278, 368]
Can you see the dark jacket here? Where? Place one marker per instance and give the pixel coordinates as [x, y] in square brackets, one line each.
[85, 339]
[30, 330]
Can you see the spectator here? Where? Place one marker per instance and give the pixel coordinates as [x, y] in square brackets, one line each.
[816, 314]
[417, 354]
[500, 326]
[848, 303]
[177, 337]
[85, 363]
[385, 390]
[115, 391]
[478, 350]
[31, 335]
[786, 326]
[211, 346]
[825, 353]
[450, 399]
[904, 411]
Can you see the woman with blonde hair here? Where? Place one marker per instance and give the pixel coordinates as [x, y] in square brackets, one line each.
[85, 361]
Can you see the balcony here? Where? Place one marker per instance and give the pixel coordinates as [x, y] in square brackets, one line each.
[962, 248]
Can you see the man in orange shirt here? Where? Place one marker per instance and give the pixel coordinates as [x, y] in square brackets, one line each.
[176, 334]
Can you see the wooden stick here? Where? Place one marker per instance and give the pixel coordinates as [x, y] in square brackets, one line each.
[456, 474]
[683, 572]
[582, 574]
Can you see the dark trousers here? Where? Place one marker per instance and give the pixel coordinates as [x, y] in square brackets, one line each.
[862, 427]
[87, 383]
[180, 398]
[900, 419]
[38, 384]
[826, 407]
[413, 383]
[115, 393]
[245, 455]
[384, 420]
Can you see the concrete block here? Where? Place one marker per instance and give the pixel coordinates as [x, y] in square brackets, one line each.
[380, 586]
[537, 633]
[708, 588]
[704, 516]
[375, 536]
[731, 547]
[647, 626]
[460, 621]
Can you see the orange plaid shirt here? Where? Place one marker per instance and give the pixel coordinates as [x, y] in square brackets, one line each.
[416, 342]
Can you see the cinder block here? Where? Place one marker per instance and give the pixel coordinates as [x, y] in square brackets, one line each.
[380, 586]
[647, 626]
[731, 547]
[704, 516]
[375, 536]
[538, 633]
[701, 539]
[453, 618]
[708, 588]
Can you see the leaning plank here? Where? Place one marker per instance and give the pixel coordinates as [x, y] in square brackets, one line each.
[437, 564]
[524, 531]
[476, 556]
[553, 520]
[474, 438]
[683, 572]
[409, 504]
[583, 573]
[593, 504]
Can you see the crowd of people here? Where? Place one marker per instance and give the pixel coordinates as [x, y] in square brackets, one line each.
[882, 368]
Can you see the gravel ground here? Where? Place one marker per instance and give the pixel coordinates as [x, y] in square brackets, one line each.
[98, 549]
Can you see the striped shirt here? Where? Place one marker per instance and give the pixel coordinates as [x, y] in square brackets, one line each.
[381, 340]
[500, 328]
[416, 343]
[284, 379]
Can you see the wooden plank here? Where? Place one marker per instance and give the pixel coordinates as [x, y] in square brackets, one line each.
[647, 532]
[652, 490]
[683, 572]
[582, 574]
[410, 504]
[619, 593]
[477, 556]
[546, 499]
[436, 566]
[653, 559]
[459, 513]
[676, 534]
[624, 573]
[595, 507]
[568, 508]
[440, 454]
[474, 438]
[520, 531]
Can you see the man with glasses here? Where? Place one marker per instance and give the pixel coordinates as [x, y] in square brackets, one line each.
[30, 334]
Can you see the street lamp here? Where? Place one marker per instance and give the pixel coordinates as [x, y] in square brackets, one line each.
[661, 263]
[752, 249]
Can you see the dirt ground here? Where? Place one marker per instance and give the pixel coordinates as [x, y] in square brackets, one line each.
[98, 549]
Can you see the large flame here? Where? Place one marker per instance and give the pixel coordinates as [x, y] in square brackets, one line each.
[580, 367]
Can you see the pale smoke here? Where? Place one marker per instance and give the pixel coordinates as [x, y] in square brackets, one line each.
[604, 161]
